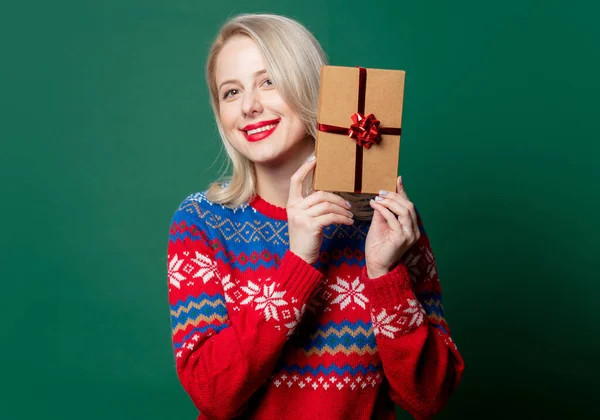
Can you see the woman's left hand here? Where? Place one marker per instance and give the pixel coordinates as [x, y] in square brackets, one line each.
[394, 229]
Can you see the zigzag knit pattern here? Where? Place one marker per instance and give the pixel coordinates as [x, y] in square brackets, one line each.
[259, 333]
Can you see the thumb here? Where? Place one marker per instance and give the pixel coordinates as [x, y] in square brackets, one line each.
[296, 181]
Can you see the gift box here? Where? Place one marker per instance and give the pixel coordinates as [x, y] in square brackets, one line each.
[359, 125]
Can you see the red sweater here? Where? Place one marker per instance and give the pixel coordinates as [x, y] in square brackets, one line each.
[259, 333]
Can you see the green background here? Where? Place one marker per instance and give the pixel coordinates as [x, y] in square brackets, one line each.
[106, 127]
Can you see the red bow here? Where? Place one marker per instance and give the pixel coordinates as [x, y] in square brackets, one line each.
[365, 130]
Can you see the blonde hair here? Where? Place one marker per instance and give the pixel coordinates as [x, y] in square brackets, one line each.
[293, 58]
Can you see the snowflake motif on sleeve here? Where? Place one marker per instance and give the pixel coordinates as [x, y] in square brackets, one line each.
[430, 266]
[382, 323]
[414, 314]
[207, 268]
[227, 285]
[175, 277]
[269, 301]
[402, 319]
[252, 290]
[349, 292]
[298, 313]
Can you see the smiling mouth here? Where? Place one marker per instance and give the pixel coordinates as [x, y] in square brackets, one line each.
[261, 129]
[260, 133]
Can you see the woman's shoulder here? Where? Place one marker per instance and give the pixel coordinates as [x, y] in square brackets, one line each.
[198, 208]
[190, 209]
[195, 206]
[196, 198]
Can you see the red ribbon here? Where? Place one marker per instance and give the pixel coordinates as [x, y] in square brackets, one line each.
[365, 130]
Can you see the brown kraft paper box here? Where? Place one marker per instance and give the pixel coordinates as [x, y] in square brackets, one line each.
[336, 152]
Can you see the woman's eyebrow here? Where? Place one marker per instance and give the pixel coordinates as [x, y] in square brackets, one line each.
[256, 74]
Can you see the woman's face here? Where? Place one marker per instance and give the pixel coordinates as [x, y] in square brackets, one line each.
[256, 120]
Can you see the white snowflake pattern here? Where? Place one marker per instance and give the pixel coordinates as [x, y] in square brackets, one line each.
[207, 267]
[227, 284]
[298, 313]
[416, 310]
[252, 290]
[269, 301]
[175, 277]
[349, 292]
[431, 268]
[381, 323]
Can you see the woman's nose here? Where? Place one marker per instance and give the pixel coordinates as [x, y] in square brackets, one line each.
[251, 104]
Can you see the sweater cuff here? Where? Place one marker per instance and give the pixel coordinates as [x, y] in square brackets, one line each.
[298, 277]
[390, 289]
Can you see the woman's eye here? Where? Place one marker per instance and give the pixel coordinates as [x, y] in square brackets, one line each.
[268, 82]
[229, 93]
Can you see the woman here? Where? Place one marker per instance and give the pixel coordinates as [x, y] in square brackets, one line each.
[293, 305]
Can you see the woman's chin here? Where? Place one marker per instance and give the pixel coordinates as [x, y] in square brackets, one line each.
[270, 159]
[269, 155]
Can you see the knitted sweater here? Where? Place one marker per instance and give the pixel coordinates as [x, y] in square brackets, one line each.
[259, 333]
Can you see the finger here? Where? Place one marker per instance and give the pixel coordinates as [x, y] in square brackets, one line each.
[390, 217]
[405, 202]
[295, 194]
[403, 213]
[400, 187]
[331, 218]
[327, 207]
[324, 196]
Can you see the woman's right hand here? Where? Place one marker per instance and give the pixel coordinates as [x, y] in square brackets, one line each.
[307, 216]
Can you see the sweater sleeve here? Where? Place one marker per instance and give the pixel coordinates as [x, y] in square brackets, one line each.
[420, 360]
[226, 347]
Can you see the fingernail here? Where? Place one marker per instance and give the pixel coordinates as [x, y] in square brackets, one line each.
[348, 204]
[311, 158]
[378, 198]
[400, 178]
[383, 192]
[350, 214]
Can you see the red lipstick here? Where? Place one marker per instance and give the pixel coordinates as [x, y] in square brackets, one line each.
[260, 130]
